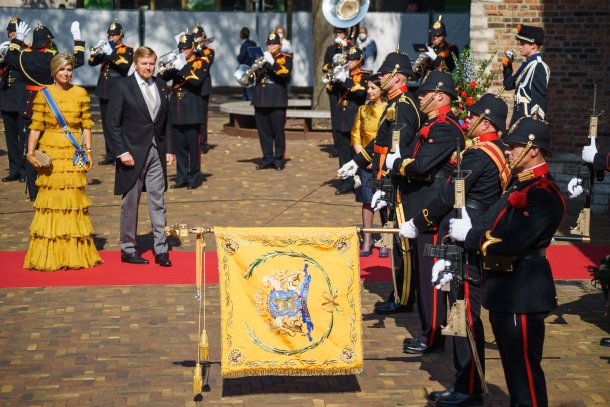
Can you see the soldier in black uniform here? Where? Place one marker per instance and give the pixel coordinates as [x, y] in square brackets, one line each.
[187, 74]
[332, 53]
[115, 59]
[488, 175]
[34, 63]
[206, 54]
[270, 102]
[532, 78]
[424, 172]
[401, 115]
[351, 89]
[13, 97]
[519, 291]
[443, 55]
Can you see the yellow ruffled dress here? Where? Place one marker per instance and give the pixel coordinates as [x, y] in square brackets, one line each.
[61, 232]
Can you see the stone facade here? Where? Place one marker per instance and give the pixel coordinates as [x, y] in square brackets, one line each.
[577, 32]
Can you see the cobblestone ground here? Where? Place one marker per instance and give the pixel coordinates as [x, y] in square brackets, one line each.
[136, 345]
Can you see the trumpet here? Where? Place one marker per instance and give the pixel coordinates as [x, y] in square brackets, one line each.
[99, 48]
[206, 42]
[338, 65]
[245, 74]
[167, 61]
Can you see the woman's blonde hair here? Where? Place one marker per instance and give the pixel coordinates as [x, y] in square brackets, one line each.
[59, 61]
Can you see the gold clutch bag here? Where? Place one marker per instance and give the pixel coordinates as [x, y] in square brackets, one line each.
[39, 159]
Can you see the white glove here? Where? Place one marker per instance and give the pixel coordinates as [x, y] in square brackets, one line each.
[408, 230]
[342, 75]
[378, 201]
[4, 47]
[588, 152]
[438, 270]
[75, 30]
[107, 49]
[431, 53]
[575, 188]
[268, 57]
[348, 170]
[22, 30]
[180, 61]
[341, 41]
[391, 157]
[459, 228]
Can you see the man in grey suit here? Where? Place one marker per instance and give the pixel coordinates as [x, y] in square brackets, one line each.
[140, 131]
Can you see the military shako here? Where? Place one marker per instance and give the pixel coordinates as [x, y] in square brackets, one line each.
[40, 37]
[12, 23]
[397, 62]
[186, 41]
[493, 108]
[529, 33]
[273, 38]
[354, 54]
[439, 81]
[527, 130]
[115, 29]
[198, 31]
[438, 28]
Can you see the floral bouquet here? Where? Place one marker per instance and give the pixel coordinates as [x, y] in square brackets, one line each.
[470, 82]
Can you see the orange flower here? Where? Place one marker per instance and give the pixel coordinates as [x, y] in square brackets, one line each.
[469, 102]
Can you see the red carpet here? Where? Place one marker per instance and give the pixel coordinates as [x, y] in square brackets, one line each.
[568, 263]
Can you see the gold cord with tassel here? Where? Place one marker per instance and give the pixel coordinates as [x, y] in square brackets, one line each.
[197, 376]
[204, 345]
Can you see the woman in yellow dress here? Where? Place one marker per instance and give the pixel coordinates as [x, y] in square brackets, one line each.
[363, 131]
[61, 232]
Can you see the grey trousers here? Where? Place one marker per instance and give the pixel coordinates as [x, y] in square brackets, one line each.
[152, 176]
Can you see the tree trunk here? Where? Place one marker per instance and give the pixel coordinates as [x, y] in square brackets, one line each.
[322, 37]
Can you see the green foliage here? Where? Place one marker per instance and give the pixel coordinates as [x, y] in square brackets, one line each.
[470, 82]
[601, 275]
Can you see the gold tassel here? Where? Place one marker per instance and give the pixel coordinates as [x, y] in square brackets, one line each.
[197, 379]
[204, 346]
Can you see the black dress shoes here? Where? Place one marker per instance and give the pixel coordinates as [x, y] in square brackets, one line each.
[10, 178]
[390, 307]
[435, 395]
[344, 190]
[279, 166]
[107, 161]
[133, 258]
[456, 399]
[605, 342]
[179, 185]
[162, 259]
[264, 166]
[418, 348]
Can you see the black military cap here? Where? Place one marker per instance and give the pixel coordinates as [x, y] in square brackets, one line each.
[354, 53]
[115, 29]
[439, 80]
[526, 129]
[339, 30]
[438, 28]
[493, 108]
[40, 37]
[530, 33]
[12, 23]
[186, 41]
[397, 61]
[273, 38]
[198, 31]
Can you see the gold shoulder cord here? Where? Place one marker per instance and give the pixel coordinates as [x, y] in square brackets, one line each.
[25, 72]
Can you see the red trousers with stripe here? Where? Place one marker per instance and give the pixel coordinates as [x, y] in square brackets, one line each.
[520, 340]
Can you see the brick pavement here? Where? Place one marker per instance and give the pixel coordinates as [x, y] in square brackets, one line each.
[135, 345]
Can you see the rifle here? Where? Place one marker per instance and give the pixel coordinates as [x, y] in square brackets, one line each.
[583, 223]
[457, 320]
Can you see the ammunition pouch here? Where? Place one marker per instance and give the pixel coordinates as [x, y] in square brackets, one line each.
[507, 264]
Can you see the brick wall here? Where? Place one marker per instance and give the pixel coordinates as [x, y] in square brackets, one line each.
[577, 37]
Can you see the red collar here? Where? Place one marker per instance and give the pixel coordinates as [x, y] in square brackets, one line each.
[397, 92]
[538, 171]
[441, 111]
[488, 137]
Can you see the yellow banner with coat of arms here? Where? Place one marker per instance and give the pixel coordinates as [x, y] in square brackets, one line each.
[290, 301]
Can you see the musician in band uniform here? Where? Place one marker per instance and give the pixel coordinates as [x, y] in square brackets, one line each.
[487, 175]
[401, 115]
[115, 59]
[424, 172]
[34, 63]
[518, 289]
[270, 102]
[443, 55]
[532, 78]
[207, 55]
[188, 73]
[13, 97]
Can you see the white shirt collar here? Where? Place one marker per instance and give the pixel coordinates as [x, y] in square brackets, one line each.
[140, 80]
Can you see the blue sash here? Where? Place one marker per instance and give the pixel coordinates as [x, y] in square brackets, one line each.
[80, 156]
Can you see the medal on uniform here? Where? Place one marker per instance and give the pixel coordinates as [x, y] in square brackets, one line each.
[390, 113]
[396, 128]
